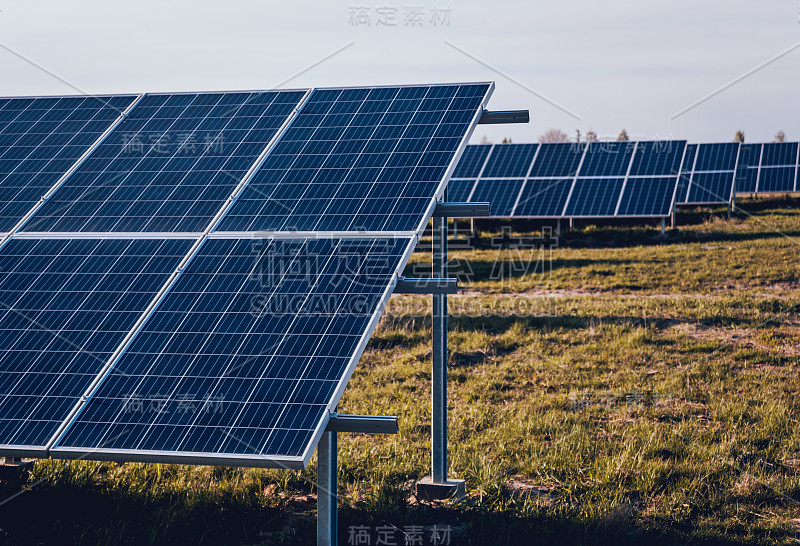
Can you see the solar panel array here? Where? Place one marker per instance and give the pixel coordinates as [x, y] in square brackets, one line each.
[563, 180]
[620, 179]
[200, 283]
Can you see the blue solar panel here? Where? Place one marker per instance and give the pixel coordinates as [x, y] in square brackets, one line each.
[40, 141]
[500, 194]
[716, 157]
[246, 354]
[779, 154]
[359, 159]
[747, 168]
[170, 165]
[66, 306]
[472, 160]
[509, 161]
[594, 197]
[658, 158]
[648, 196]
[543, 197]
[607, 159]
[776, 179]
[711, 188]
[458, 190]
[557, 160]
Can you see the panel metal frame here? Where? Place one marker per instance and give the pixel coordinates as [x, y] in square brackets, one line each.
[688, 203]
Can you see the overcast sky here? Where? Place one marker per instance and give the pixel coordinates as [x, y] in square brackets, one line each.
[612, 64]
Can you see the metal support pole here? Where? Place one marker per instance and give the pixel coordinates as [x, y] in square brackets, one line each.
[439, 372]
[663, 226]
[672, 218]
[327, 489]
[558, 228]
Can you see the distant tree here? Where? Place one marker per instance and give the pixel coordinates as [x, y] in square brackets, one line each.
[506, 141]
[780, 136]
[485, 140]
[591, 136]
[623, 136]
[554, 135]
[577, 135]
[739, 137]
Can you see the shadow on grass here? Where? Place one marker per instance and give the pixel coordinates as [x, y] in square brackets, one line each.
[99, 514]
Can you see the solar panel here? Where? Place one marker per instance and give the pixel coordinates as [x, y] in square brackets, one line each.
[509, 161]
[712, 177]
[458, 191]
[239, 355]
[245, 354]
[778, 171]
[543, 198]
[41, 139]
[747, 168]
[653, 179]
[710, 188]
[716, 157]
[594, 197]
[648, 197]
[66, 306]
[501, 194]
[472, 161]
[607, 159]
[360, 160]
[170, 165]
[557, 160]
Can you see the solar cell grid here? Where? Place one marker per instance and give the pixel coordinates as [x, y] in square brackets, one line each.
[594, 197]
[458, 191]
[509, 161]
[543, 197]
[41, 139]
[170, 165]
[246, 353]
[555, 160]
[501, 194]
[650, 196]
[472, 160]
[747, 168]
[359, 159]
[66, 306]
[607, 159]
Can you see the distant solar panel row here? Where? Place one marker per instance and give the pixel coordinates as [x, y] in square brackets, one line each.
[147, 316]
[769, 168]
[608, 179]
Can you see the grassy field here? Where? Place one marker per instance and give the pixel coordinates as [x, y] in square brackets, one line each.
[624, 389]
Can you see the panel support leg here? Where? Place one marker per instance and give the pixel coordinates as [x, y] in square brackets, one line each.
[663, 226]
[327, 488]
[558, 228]
[437, 486]
[672, 219]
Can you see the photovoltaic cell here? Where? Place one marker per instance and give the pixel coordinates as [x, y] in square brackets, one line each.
[778, 167]
[40, 141]
[716, 157]
[658, 158]
[170, 165]
[594, 197]
[713, 175]
[711, 188]
[500, 194]
[509, 161]
[359, 159]
[650, 196]
[747, 168]
[607, 159]
[245, 355]
[458, 190]
[543, 197]
[66, 306]
[472, 160]
[557, 160]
